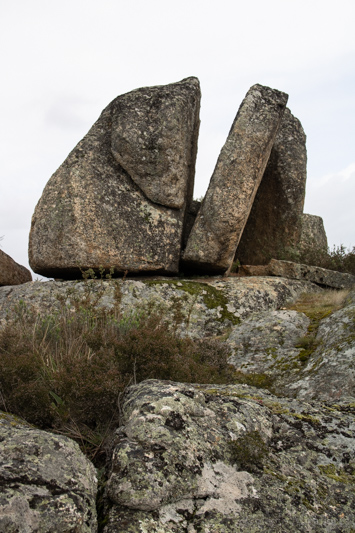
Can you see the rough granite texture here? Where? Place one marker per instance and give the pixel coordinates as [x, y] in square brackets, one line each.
[270, 343]
[47, 484]
[203, 308]
[313, 233]
[321, 276]
[330, 279]
[275, 221]
[11, 273]
[119, 199]
[225, 209]
[229, 459]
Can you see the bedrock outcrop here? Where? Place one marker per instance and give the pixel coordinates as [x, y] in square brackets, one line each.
[203, 458]
[119, 199]
[225, 209]
[46, 483]
[197, 308]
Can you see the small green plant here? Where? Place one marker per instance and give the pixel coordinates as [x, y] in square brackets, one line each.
[338, 258]
[249, 451]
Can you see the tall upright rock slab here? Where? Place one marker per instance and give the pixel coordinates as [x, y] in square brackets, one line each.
[119, 199]
[274, 225]
[235, 181]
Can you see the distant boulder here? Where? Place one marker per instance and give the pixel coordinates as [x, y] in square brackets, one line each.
[313, 233]
[11, 273]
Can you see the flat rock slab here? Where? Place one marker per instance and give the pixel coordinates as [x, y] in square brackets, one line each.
[11, 273]
[47, 484]
[119, 199]
[196, 308]
[225, 209]
[321, 276]
[229, 458]
[274, 225]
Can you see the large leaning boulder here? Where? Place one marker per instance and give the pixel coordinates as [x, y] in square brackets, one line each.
[119, 199]
[228, 459]
[224, 212]
[275, 222]
[47, 484]
[11, 273]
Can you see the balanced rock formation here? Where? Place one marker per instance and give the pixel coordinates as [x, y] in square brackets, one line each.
[11, 273]
[275, 222]
[119, 199]
[224, 212]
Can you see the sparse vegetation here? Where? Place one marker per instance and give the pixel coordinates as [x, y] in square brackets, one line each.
[316, 306]
[338, 258]
[67, 371]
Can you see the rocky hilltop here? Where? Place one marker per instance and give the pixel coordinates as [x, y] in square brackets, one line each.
[271, 446]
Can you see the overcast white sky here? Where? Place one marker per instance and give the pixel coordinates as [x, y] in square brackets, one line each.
[63, 62]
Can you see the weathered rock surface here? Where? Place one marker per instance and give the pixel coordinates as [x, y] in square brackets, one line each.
[227, 459]
[313, 233]
[11, 273]
[275, 344]
[47, 484]
[290, 270]
[119, 199]
[235, 181]
[321, 276]
[275, 221]
[197, 308]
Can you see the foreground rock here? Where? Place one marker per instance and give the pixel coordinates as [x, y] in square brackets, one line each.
[227, 459]
[196, 308]
[119, 199]
[47, 484]
[235, 181]
[274, 225]
[11, 273]
[297, 358]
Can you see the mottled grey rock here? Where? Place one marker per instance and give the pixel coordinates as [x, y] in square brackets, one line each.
[275, 344]
[119, 199]
[228, 459]
[275, 222]
[197, 308]
[313, 233]
[235, 181]
[47, 484]
[330, 372]
[321, 276]
[11, 273]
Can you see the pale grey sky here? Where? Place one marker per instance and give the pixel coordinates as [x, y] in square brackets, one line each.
[63, 62]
